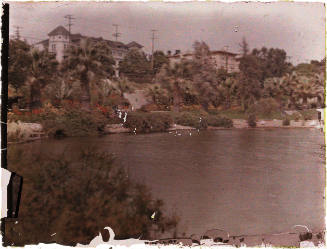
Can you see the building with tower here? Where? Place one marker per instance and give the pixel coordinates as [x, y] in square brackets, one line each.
[60, 39]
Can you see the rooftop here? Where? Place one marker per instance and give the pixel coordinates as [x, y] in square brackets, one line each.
[134, 44]
[60, 30]
[44, 42]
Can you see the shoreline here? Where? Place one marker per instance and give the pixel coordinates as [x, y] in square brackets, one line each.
[237, 124]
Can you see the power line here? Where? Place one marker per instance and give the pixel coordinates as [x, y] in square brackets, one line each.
[116, 34]
[70, 23]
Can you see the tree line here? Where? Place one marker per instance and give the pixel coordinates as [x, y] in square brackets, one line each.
[86, 75]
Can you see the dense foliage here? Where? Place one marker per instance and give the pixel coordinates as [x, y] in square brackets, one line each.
[70, 199]
[88, 63]
[143, 122]
[136, 67]
[86, 76]
[67, 121]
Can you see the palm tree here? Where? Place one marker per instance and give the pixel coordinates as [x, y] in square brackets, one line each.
[300, 88]
[43, 68]
[227, 90]
[89, 62]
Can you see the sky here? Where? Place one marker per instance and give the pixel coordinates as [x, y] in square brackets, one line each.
[298, 28]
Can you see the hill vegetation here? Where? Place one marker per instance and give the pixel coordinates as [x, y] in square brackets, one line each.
[265, 85]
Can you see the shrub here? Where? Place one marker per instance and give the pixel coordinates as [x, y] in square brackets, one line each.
[75, 122]
[219, 121]
[195, 120]
[306, 116]
[252, 120]
[93, 193]
[296, 116]
[67, 121]
[148, 122]
[213, 111]
[265, 107]
[286, 122]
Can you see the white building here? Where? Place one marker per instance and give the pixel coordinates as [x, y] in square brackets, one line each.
[222, 60]
[59, 40]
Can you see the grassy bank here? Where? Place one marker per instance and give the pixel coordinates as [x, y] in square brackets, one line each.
[146, 122]
[70, 122]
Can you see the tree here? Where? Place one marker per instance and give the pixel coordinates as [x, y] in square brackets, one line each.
[249, 80]
[42, 72]
[136, 67]
[205, 75]
[159, 59]
[272, 62]
[244, 47]
[69, 200]
[203, 64]
[89, 62]
[19, 63]
[177, 80]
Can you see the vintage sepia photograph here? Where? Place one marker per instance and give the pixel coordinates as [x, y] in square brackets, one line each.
[164, 123]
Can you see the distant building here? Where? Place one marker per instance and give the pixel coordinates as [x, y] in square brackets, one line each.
[134, 45]
[59, 40]
[222, 59]
[226, 60]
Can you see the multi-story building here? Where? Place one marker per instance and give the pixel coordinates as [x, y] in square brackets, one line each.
[222, 60]
[60, 39]
[57, 43]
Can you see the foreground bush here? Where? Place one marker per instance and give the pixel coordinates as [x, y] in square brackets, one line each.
[69, 199]
[148, 122]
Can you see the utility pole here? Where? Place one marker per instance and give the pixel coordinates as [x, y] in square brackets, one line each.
[17, 33]
[116, 34]
[69, 24]
[153, 37]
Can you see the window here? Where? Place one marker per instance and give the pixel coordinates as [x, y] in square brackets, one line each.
[59, 37]
[53, 47]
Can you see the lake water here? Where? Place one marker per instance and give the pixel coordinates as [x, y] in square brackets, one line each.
[243, 181]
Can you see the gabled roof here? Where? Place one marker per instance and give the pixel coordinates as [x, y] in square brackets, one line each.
[60, 30]
[134, 44]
